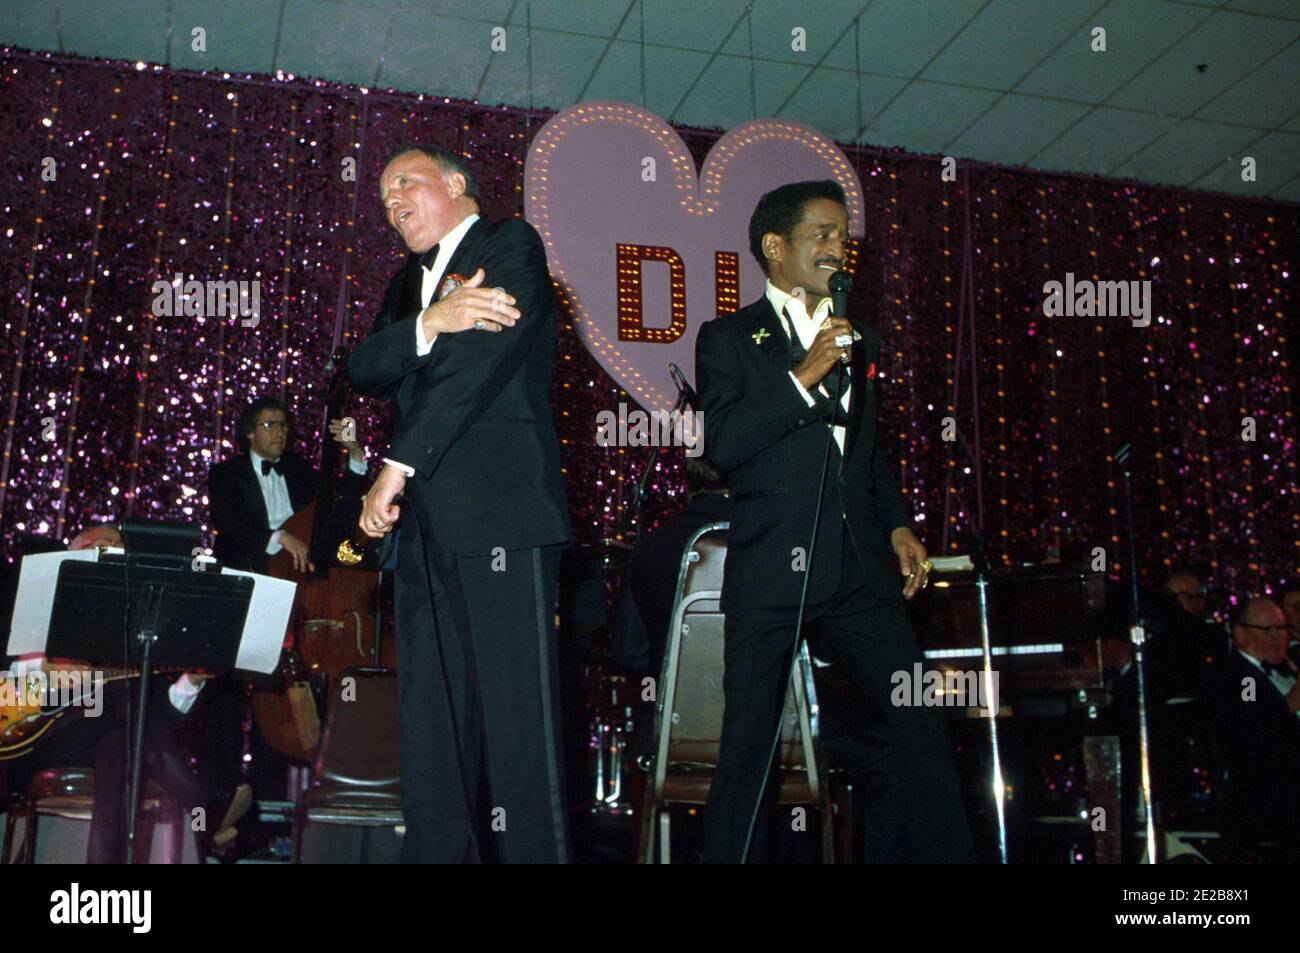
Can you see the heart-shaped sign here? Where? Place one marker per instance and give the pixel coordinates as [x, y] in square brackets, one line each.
[642, 250]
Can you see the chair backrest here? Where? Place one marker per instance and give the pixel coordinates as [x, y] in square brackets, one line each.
[359, 743]
[689, 722]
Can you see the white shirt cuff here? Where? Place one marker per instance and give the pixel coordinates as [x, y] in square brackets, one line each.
[803, 390]
[273, 544]
[422, 347]
[182, 694]
[407, 471]
[357, 466]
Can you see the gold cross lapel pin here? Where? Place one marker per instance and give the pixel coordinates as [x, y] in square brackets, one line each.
[760, 334]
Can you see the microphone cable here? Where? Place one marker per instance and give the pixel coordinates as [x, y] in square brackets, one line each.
[803, 602]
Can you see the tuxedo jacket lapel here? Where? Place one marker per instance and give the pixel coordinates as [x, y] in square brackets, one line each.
[765, 331]
[251, 490]
[468, 244]
[411, 285]
[859, 388]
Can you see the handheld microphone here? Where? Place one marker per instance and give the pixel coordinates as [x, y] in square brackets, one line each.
[840, 285]
[684, 389]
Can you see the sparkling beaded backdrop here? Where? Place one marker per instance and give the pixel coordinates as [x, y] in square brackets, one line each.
[114, 411]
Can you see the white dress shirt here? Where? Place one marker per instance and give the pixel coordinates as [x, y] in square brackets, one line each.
[806, 327]
[275, 494]
[431, 279]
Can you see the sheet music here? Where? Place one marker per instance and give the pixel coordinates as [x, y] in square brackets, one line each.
[259, 651]
[268, 620]
[34, 603]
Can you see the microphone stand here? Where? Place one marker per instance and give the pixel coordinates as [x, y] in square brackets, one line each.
[1137, 635]
[803, 602]
[981, 560]
[632, 511]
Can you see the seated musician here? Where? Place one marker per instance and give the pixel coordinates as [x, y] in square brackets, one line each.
[251, 497]
[94, 734]
[254, 494]
[1257, 712]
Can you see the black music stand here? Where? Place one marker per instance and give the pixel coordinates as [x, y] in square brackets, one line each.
[175, 615]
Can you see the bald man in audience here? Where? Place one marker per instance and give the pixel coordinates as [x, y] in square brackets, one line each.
[1258, 700]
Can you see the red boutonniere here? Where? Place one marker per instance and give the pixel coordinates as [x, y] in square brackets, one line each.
[449, 284]
[871, 371]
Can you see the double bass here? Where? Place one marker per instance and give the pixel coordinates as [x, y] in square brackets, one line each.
[332, 625]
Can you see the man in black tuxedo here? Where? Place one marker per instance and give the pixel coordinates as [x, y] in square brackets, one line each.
[1257, 698]
[467, 370]
[766, 376]
[252, 495]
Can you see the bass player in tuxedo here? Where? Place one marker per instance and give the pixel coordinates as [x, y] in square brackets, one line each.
[463, 348]
[766, 376]
[253, 494]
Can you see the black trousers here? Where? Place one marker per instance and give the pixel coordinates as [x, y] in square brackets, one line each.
[479, 724]
[866, 625]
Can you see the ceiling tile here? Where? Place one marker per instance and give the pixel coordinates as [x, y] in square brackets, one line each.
[1276, 8]
[579, 16]
[458, 47]
[828, 101]
[561, 64]
[1137, 31]
[100, 29]
[928, 115]
[900, 36]
[618, 77]
[774, 23]
[1229, 44]
[240, 35]
[1191, 147]
[669, 74]
[1266, 98]
[28, 25]
[1007, 40]
[1277, 162]
[685, 24]
[423, 11]
[720, 98]
[570, 60]
[1016, 128]
[1102, 140]
[337, 40]
[775, 82]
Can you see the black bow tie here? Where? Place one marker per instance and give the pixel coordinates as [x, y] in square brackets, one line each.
[268, 466]
[429, 257]
[1280, 669]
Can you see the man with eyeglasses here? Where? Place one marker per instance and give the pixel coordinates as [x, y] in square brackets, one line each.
[253, 494]
[1258, 702]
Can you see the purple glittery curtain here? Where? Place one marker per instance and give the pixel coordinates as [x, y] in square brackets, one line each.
[113, 411]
